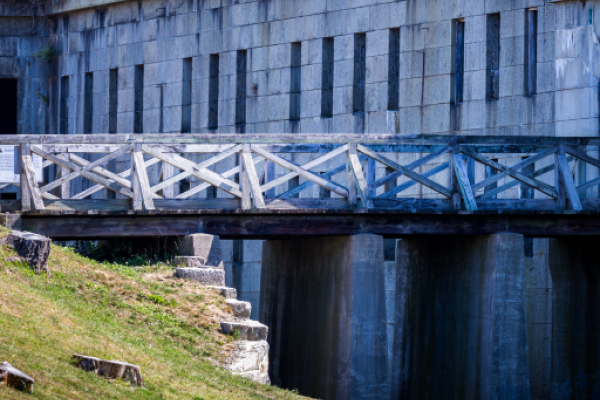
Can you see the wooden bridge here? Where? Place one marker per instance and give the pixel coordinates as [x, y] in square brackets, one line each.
[384, 184]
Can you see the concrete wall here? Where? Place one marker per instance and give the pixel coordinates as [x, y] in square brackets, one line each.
[324, 302]
[243, 262]
[160, 34]
[461, 318]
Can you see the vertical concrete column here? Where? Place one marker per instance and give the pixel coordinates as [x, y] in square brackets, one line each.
[200, 260]
[324, 302]
[460, 329]
[575, 270]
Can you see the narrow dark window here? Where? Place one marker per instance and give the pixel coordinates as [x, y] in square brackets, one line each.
[327, 79]
[360, 72]
[113, 98]
[138, 118]
[459, 61]
[63, 128]
[492, 88]
[531, 31]
[526, 190]
[240, 87]
[213, 92]
[394, 71]
[489, 172]
[8, 106]
[296, 81]
[88, 103]
[186, 96]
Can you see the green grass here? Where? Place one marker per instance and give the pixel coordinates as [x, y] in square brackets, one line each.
[141, 316]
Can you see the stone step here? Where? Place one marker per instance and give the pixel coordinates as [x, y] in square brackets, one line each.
[241, 309]
[249, 330]
[227, 292]
[207, 276]
[194, 262]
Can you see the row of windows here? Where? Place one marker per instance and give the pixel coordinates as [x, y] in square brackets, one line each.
[327, 78]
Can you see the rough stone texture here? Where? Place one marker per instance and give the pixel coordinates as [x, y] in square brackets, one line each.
[575, 271]
[207, 276]
[193, 262]
[110, 369]
[324, 302]
[33, 248]
[248, 329]
[241, 309]
[250, 359]
[227, 292]
[14, 378]
[205, 250]
[461, 329]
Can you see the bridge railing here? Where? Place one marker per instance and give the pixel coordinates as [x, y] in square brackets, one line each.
[253, 172]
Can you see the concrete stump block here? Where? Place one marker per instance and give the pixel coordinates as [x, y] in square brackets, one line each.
[249, 329]
[110, 369]
[207, 249]
[12, 377]
[250, 359]
[33, 248]
[227, 292]
[207, 276]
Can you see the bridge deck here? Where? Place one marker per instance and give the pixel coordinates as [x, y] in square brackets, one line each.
[272, 185]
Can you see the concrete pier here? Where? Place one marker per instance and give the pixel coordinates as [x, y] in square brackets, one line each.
[460, 330]
[324, 302]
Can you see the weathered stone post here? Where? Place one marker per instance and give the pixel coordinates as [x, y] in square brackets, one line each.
[324, 302]
[200, 260]
[461, 326]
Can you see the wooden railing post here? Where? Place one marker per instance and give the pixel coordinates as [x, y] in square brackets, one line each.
[25, 193]
[246, 201]
[351, 182]
[462, 178]
[136, 201]
[561, 201]
[454, 185]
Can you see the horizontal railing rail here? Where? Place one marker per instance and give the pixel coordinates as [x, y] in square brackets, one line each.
[420, 173]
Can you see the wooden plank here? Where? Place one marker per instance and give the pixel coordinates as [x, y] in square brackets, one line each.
[246, 202]
[411, 174]
[407, 185]
[318, 161]
[167, 172]
[30, 179]
[359, 177]
[123, 174]
[305, 204]
[334, 187]
[463, 180]
[228, 174]
[109, 184]
[252, 176]
[414, 165]
[561, 199]
[334, 171]
[142, 176]
[198, 204]
[24, 149]
[201, 173]
[101, 171]
[568, 181]
[137, 203]
[179, 139]
[193, 148]
[542, 187]
[517, 167]
[88, 205]
[590, 184]
[582, 156]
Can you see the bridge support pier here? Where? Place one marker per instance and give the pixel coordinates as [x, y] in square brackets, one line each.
[460, 329]
[324, 302]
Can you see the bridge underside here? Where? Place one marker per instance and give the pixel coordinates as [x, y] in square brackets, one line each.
[238, 224]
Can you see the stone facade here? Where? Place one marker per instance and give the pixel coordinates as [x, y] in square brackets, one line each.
[174, 42]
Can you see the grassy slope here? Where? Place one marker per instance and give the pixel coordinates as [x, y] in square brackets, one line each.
[141, 316]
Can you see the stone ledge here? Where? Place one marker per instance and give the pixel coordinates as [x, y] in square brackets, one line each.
[227, 292]
[241, 309]
[208, 276]
[249, 330]
[195, 262]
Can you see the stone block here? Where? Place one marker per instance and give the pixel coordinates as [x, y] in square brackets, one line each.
[207, 247]
[248, 330]
[240, 309]
[249, 359]
[207, 276]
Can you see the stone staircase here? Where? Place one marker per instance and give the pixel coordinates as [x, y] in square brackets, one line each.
[200, 260]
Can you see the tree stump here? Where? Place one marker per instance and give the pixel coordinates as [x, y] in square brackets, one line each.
[33, 248]
[110, 369]
[10, 376]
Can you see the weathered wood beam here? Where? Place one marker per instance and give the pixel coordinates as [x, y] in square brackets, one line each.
[334, 187]
[542, 187]
[407, 185]
[411, 174]
[463, 180]
[567, 179]
[142, 176]
[29, 181]
[359, 177]
[252, 177]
